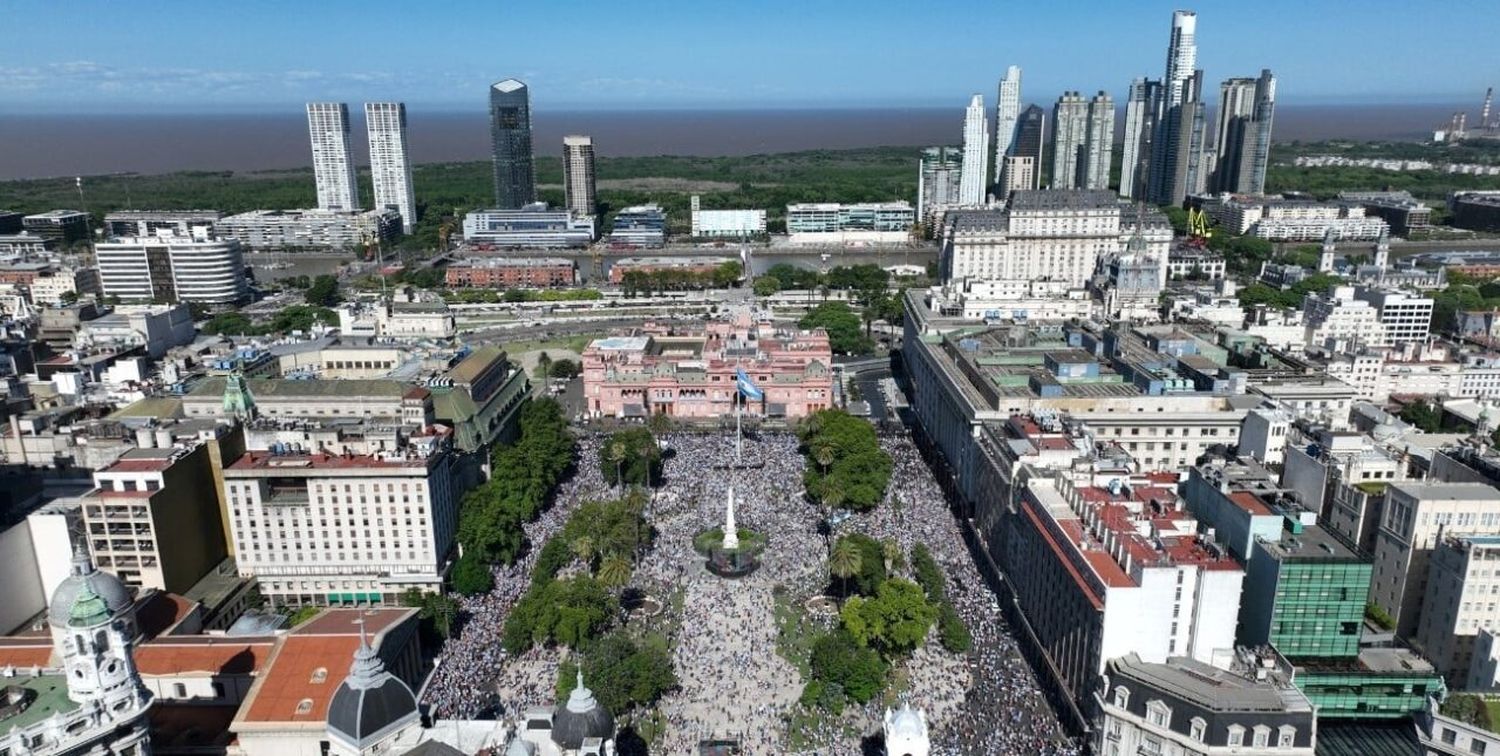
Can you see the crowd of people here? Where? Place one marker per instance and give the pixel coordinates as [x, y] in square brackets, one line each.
[732, 682]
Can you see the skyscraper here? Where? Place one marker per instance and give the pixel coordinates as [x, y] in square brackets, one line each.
[939, 178]
[1007, 114]
[1182, 56]
[1069, 132]
[510, 143]
[1142, 112]
[1242, 133]
[1179, 163]
[1098, 143]
[578, 174]
[1031, 135]
[333, 166]
[976, 153]
[390, 166]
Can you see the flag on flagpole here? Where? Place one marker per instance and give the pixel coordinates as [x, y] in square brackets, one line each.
[747, 387]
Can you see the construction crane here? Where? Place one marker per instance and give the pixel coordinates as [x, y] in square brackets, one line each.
[1198, 231]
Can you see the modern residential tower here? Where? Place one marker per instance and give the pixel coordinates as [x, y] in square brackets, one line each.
[510, 144]
[1179, 163]
[1007, 116]
[1182, 56]
[1242, 134]
[333, 165]
[976, 153]
[1083, 137]
[390, 165]
[1142, 114]
[578, 174]
[939, 178]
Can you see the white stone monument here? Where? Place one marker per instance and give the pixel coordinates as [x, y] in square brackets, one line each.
[731, 531]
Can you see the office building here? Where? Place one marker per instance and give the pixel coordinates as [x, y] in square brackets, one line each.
[1182, 58]
[973, 179]
[293, 230]
[171, 268]
[1180, 162]
[390, 163]
[1242, 141]
[938, 183]
[639, 226]
[1007, 117]
[333, 160]
[533, 226]
[1097, 582]
[682, 372]
[26, 245]
[1405, 318]
[862, 223]
[1187, 708]
[1031, 139]
[1019, 174]
[10, 222]
[732, 224]
[510, 144]
[1458, 605]
[317, 528]
[579, 195]
[1339, 316]
[1142, 117]
[187, 223]
[63, 227]
[1475, 211]
[508, 272]
[1401, 211]
[149, 522]
[1417, 515]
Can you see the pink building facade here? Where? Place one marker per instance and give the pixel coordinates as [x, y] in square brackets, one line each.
[689, 372]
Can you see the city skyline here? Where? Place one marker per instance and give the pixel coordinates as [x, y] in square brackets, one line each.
[433, 66]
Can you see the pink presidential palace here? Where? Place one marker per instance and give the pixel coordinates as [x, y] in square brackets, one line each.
[688, 371]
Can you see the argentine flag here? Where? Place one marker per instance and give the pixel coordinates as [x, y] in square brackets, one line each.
[746, 386]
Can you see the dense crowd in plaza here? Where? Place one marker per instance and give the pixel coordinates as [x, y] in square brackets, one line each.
[732, 682]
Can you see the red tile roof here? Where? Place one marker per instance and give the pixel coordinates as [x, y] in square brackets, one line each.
[224, 656]
[311, 662]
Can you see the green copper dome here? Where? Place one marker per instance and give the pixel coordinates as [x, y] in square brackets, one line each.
[89, 609]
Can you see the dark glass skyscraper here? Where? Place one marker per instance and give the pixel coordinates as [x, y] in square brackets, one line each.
[1031, 131]
[510, 142]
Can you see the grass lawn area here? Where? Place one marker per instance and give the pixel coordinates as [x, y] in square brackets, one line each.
[1492, 705]
[574, 344]
[794, 633]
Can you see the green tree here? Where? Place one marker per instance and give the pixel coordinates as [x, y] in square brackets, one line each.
[631, 457]
[895, 621]
[623, 673]
[324, 291]
[1423, 415]
[845, 334]
[765, 286]
[837, 659]
[845, 562]
[472, 577]
[564, 369]
[858, 467]
[614, 572]
[952, 632]
[928, 574]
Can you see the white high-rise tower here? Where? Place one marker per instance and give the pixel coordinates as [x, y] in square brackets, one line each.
[390, 168]
[333, 165]
[973, 181]
[1182, 55]
[1007, 115]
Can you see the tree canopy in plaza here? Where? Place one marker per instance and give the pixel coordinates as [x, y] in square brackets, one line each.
[845, 329]
[846, 466]
[838, 659]
[894, 622]
[566, 612]
[622, 672]
[631, 455]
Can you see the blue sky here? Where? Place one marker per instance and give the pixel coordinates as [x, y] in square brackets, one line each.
[89, 56]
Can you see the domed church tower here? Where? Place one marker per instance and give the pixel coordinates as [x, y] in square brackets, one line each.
[92, 618]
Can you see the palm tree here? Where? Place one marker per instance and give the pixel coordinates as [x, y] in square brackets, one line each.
[617, 454]
[890, 551]
[846, 562]
[824, 456]
[614, 572]
[583, 549]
